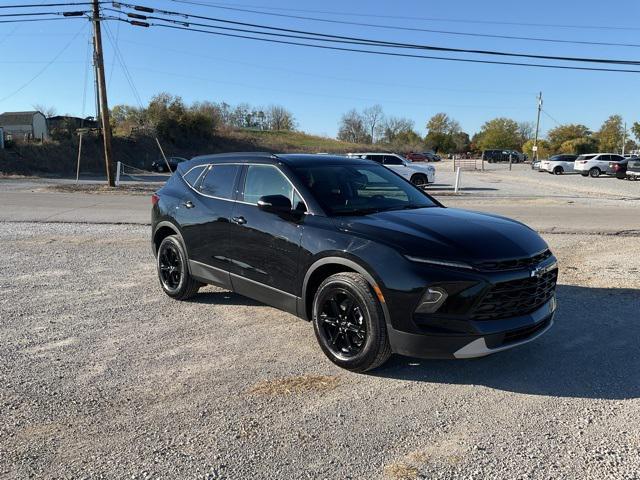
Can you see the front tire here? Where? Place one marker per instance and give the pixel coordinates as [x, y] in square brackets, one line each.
[420, 180]
[173, 270]
[349, 323]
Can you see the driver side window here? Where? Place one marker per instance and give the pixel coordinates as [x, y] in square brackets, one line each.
[262, 180]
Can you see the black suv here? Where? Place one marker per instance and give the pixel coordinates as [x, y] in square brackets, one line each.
[375, 263]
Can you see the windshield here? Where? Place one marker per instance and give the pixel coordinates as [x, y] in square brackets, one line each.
[361, 189]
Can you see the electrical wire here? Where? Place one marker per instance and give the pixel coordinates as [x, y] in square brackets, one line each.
[394, 54]
[40, 72]
[25, 20]
[557, 122]
[70, 4]
[366, 41]
[113, 60]
[415, 29]
[34, 14]
[123, 65]
[398, 17]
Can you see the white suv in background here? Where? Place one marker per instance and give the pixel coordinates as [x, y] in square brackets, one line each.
[595, 164]
[419, 175]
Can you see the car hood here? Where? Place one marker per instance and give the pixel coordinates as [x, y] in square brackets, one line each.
[448, 234]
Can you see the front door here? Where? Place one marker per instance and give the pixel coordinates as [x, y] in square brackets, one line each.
[266, 246]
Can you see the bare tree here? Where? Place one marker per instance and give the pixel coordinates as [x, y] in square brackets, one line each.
[525, 130]
[279, 118]
[393, 126]
[352, 128]
[46, 111]
[372, 117]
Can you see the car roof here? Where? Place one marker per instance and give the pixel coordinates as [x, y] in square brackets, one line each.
[292, 159]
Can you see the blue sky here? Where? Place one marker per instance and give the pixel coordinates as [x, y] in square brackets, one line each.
[319, 86]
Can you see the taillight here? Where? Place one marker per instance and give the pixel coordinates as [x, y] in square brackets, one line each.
[154, 199]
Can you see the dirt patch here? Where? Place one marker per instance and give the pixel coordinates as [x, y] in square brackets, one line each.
[295, 385]
[400, 471]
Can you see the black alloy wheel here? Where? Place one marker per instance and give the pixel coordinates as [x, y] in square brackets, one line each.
[342, 323]
[170, 265]
[173, 270]
[349, 322]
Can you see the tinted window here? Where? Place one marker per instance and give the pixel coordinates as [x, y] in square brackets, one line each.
[219, 181]
[360, 189]
[375, 158]
[264, 180]
[192, 175]
[585, 157]
[392, 160]
[616, 158]
[604, 158]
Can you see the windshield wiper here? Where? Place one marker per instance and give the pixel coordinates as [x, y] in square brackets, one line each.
[408, 207]
[360, 211]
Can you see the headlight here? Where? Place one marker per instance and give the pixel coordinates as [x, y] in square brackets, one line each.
[441, 263]
[432, 300]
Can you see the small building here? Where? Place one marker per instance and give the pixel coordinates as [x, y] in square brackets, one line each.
[24, 125]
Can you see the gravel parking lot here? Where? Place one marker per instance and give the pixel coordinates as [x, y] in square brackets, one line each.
[103, 376]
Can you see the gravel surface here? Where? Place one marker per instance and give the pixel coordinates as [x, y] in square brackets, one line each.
[103, 376]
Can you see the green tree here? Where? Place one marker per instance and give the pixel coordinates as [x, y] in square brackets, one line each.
[441, 133]
[635, 128]
[579, 146]
[611, 134]
[544, 148]
[563, 133]
[499, 133]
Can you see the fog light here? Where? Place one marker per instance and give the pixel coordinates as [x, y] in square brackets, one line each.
[432, 300]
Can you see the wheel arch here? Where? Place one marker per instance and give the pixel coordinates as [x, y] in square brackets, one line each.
[161, 231]
[326, 267]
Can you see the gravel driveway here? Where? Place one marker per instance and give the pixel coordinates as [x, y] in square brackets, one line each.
[103, 376]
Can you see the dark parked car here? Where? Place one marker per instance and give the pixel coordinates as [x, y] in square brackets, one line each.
[161, 166]
[633, 169]
[496, 156]
[416, 157]
[619, 168]
[432, 157]
[376, 264]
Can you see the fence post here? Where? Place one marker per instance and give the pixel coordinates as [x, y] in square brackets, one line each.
[457, 180]
[510, 161]
[79, 154]
[118, 167]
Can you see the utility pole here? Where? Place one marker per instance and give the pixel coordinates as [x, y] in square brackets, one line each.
[535, 141]
[102, 93]
[624, 138]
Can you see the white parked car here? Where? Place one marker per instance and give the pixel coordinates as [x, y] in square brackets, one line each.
[418, 174]
[595, 164]
[559, 164]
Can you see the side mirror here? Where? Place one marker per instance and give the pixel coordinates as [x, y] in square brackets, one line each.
[278, 204]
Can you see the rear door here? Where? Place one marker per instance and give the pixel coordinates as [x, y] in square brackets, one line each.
[217, 190]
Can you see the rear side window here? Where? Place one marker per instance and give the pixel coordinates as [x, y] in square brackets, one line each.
[219, 181]
[585, 157]
[375, 158]
[192, 175]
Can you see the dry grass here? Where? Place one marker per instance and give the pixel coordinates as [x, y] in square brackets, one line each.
[294, 385]
[400, 471]
[139, 189]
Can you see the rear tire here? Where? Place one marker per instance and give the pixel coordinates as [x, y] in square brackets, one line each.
[349, 323]
[420, 180]
[558, 171]
[594, 172]
[173, 270]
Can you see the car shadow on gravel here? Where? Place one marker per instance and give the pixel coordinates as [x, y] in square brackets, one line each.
[592, 351]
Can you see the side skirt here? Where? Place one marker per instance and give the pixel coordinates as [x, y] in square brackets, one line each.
[208, 274]
[265, 294]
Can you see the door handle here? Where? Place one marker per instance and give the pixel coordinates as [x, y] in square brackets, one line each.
[188, 204]
[239, 220]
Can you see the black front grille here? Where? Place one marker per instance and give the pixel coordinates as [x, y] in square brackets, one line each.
[516, 297]
[525, 333]
[513, 264]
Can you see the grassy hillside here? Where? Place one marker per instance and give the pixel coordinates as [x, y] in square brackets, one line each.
[59, 158]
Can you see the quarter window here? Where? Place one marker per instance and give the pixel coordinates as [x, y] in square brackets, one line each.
[219, 181]
[391, 160]
[192, 175]
[262, 180]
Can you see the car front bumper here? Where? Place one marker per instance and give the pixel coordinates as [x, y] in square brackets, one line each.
[500, 335]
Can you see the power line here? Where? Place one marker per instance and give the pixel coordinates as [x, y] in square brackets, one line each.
[394, 54]
[127, 74]
[25, 20]
[435, 19]
[556, 121]
[414, 29]
[34, 14]
[307, 35]
[40, 72]
[70, 4]
[321, 75]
